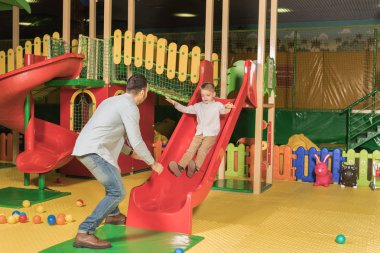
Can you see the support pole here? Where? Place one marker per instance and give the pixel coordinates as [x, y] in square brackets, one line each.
[374, 69]
[66, 18]
[294, 70]
[15, 27]
[131, 16]
[107, 40]
[27, 112]
[131, 25]
[15, 43]
[271, 99]
[260, 84]
[224, 66]
[92, 17]
[209, 29]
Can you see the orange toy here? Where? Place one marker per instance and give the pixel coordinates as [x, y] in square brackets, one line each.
[3, 219]
[37, 219]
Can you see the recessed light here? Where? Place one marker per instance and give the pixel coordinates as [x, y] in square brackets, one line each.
[284, 10]
[25, 23]
[184, 15]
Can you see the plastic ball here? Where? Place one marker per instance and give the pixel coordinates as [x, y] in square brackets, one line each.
[179, 250]
[69, 218]
[23, 219]
[3, 219]
[61, 215]
[17, 216]
[26, 203]
[51, 219]
[341, 239]
[60, 220]
[16, 212]
[22, 213]
[37, 219]
[12, 220]
[40, 209]
[79, 202]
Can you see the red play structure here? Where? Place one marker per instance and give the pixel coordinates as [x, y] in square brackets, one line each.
[48, 146]
[165, 202]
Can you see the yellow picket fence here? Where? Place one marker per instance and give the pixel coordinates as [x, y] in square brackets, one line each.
[152, 53]
[14, 59]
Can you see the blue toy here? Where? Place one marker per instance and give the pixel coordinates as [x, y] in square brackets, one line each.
[179, 250]
[341, 239]
[51, 219]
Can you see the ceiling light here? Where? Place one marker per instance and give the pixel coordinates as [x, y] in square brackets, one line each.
[25, 23]
[184, 15]
[284, 10]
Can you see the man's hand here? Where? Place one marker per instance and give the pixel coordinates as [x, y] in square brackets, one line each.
[157, 167]
[171, 101]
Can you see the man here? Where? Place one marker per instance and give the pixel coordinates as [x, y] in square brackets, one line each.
[98, 147]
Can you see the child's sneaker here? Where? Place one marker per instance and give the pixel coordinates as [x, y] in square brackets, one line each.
[175, 168]
[191, 169]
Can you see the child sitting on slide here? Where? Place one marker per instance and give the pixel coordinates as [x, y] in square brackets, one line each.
[208, 126]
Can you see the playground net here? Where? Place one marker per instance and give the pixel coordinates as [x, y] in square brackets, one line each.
[93, 49]
[82, 111]
[96, 65]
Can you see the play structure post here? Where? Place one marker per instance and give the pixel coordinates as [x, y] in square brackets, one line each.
[224, 66]
[66, 23]
[92, 16]
[26, 121]
[15, 27]
[271, 98]
[294, 70]
[15, 145]
[374, 69]
[260, 83]
[209, 29]
[15, 43]
[107, 39]
[131, 16]
[131, 24]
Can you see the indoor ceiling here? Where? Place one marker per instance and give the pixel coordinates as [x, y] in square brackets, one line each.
[158, 14]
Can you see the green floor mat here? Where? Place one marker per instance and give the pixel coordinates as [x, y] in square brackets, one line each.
[236, 185]
[131, 240]
[13, 197]
[6, 165]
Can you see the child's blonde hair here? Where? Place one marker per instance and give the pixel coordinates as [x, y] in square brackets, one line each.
[208, 86]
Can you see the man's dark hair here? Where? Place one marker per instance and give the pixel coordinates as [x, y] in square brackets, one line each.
[136, 83]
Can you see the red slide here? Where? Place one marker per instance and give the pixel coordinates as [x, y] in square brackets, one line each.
[165, 202]
[51, 145]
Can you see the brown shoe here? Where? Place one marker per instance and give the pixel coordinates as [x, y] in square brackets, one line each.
[90, 241]
[119, 219]
[191, 169]
[175, 168]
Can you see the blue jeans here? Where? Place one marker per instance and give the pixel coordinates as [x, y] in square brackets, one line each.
[109, 176]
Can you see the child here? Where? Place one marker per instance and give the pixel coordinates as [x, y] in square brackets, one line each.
[208, 126]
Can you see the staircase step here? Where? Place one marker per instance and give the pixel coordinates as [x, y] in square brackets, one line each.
[361, 140]
[353, 145]
[371, 134]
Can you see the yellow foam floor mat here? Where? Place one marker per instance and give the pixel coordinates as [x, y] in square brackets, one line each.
[289, 217]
